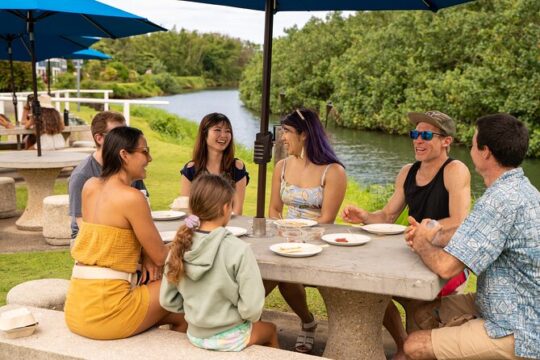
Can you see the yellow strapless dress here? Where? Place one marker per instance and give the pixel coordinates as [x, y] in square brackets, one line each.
[99, 308]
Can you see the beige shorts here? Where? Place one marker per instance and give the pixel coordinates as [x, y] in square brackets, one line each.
[463, 336]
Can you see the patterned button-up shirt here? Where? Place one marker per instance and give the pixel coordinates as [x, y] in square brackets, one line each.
[500, 242]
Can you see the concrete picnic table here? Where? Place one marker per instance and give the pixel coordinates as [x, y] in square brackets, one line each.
[39, 174]
[356, 283]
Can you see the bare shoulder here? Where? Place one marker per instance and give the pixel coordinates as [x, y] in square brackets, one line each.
[336, 170]
[190, 164]
[91, 184]
[402, 174]
[239, 164]
[279, 164]
[456, 170]
[456, 173]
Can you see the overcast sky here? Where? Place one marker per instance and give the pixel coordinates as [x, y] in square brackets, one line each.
[240, 23]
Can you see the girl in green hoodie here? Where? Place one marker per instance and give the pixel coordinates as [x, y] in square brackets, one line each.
[213, 277]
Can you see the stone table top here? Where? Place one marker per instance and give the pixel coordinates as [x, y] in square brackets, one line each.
[48, 160]
[20, 130]
[384, 266]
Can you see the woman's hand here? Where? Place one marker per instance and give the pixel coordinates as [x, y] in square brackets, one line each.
[150, 271]
[354, 215]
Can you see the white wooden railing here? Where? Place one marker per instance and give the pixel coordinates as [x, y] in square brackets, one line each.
[62, 96]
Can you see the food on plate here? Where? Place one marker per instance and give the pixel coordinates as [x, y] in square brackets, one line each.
[341, 240]
[295, 223]
[289, 249]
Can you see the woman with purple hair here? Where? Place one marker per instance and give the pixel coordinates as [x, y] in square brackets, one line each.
[311, 181]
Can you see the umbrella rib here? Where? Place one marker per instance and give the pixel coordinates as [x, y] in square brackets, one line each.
[431, 5]
[98, 26]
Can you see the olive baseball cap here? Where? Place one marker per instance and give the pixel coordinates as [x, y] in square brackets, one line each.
[435, 118]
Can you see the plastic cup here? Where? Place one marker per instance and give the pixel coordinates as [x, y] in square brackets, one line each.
[313, 233]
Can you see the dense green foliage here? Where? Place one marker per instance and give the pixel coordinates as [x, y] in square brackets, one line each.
[467, 61]
[22, 72]
[219, 59]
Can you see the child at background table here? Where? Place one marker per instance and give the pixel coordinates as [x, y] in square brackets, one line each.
[213, 277]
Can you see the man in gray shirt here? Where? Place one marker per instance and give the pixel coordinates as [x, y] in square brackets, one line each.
[102, 123]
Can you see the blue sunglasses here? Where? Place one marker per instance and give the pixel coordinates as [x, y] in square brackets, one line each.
[425, 135]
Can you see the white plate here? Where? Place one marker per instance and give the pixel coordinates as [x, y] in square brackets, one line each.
[167, 236]
[296, 249]
[383, 229]
[295, 222]
[236, 230]
[351, 239]
[167, 215]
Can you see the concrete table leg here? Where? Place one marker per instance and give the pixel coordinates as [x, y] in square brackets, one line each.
[40, 184]
[354, 324]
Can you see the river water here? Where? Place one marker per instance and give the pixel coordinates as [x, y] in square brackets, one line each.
[370, 157]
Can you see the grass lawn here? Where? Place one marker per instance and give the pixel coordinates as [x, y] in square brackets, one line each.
[171, 148]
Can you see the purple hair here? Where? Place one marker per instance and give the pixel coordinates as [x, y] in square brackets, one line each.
[318, 148]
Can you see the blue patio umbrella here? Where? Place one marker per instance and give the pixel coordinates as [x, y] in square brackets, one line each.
[88, 54]
[66, 17]
[263, 141]
[17, 48]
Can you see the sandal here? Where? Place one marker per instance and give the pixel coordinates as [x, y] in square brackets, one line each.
[304, 341]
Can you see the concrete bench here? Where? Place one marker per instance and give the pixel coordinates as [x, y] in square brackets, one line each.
[42, 293]
[8, 199]
[53, 341]
[56, 220]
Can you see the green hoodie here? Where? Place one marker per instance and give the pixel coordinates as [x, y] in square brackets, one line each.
[221, 288]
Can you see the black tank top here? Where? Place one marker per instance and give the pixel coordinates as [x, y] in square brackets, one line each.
[429, 201]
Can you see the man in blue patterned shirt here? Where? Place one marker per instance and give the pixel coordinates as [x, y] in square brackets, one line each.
[500, 242]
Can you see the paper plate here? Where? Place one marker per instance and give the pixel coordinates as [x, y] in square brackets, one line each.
[346, 239]
[167, 215]
[236, 230]
[167, 236]
[295, 249]
[295, 222]
[383, 229]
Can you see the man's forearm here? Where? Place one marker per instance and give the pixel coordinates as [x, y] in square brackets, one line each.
[439, 261]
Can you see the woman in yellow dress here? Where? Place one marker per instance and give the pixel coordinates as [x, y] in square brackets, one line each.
[117, 234]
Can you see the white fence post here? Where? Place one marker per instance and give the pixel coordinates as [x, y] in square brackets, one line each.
[2, 110]
[66, 104]
[126, 112]
[106, 97]
[57, 96]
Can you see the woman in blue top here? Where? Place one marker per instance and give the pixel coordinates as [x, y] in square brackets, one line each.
[311, 181]
[214, 153]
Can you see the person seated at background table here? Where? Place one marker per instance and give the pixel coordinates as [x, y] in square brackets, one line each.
[51, 125]
[29, 139]
[213, 277]
[102, 123]
[312, 182]
[4, 121]
[436, 187]
[500, 242]
[214, 153]
[117, 231]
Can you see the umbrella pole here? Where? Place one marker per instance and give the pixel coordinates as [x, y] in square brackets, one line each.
[263, 144]
[36, 109]
[49, 77]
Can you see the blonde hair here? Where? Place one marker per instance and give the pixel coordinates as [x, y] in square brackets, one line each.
[209, 193]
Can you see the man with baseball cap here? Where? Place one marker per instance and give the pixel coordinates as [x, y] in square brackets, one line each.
[435, 187]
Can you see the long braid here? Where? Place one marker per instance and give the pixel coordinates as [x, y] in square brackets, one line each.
[181, 244]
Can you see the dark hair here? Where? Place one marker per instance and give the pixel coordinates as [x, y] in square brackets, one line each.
[506, 137]
[100, 121]
[123, 137]
[52, 121]
[208, 194]
[200, 151]
[318, 148]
